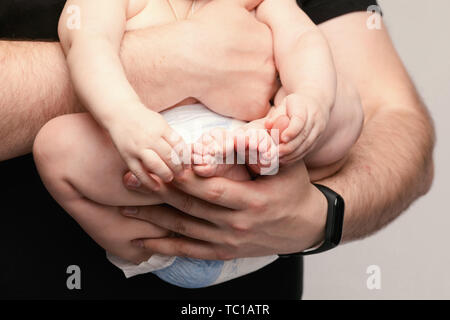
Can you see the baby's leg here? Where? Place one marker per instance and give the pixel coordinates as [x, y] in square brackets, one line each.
[76, 158]
[83, 172]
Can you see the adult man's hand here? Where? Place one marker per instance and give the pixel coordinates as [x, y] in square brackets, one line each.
[226, 219]
[231, 55]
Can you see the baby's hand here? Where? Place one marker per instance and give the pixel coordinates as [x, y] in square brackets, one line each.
[300, 122]
[148, 145]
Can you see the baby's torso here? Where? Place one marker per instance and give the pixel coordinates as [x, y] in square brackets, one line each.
[147, 13]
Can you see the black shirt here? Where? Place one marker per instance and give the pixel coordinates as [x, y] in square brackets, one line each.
[39, 241]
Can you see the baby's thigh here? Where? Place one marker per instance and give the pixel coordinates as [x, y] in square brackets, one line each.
[73, 153]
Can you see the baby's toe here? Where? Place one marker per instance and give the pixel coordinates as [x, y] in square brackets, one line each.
[207, 168]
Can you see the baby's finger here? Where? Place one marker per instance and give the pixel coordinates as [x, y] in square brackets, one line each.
[280, 124]
[295, 146]
[297, 143]
[153, 163]
[172, 137]
[142, 175]
[298, 116]
[296, 125]
[292, 158]
[170, 156]
[312, 141]
[270, 118]
[296, 152]
[175, 141]
[306, 147]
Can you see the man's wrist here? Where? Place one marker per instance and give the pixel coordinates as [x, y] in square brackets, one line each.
[318, 208]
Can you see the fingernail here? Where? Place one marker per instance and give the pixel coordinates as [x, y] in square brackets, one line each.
[130, 211]
[138, 243]
[133, 182]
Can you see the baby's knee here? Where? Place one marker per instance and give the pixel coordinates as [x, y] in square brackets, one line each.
[51, 145]
[52, 151]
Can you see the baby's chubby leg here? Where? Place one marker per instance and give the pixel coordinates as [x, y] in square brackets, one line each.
[76, 158]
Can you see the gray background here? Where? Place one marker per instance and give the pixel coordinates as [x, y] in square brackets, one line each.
[413, 252]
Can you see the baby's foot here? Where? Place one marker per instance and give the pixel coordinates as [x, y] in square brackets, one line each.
[257, 147]
[211, 152]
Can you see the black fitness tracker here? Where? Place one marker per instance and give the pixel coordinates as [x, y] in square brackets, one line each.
[334, 224]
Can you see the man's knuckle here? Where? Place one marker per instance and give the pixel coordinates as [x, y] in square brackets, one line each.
[215, 192]
[146, 245]
[259, 203]
[182, 180]
[179, 227]
[180, 249]
[241, 226]
[224, 254]
[187, 204]
[231, 241]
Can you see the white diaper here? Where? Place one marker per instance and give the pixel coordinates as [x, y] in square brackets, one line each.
[191, 122]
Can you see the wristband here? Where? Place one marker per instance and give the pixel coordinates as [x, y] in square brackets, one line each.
[334, 224]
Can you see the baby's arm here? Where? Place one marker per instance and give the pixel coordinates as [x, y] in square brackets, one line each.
[302, 55]
[142, 137]
[309, 95]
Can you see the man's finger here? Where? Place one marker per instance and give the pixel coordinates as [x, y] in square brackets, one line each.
[143, 177]
[132, 182]
[217, 190]
[195, 207]
[172, 220]
[180, 247]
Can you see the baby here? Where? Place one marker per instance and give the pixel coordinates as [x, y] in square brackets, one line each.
[316, 118]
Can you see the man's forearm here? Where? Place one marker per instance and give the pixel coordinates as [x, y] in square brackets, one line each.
[390, 166]
[35, 88]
